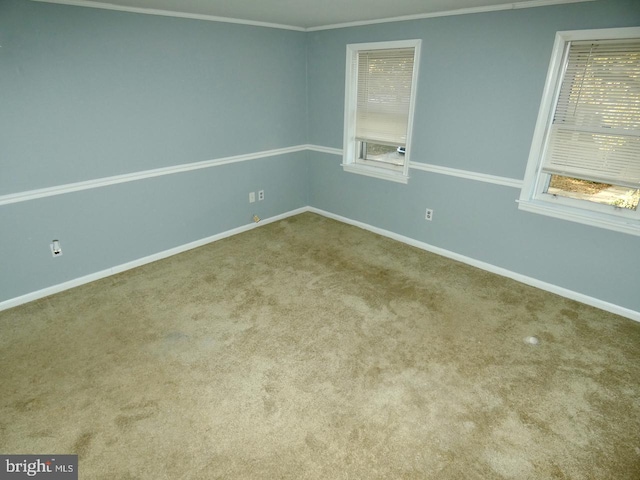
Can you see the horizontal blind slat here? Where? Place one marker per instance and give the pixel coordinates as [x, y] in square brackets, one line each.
[384, 94]
[595, 132]
[606, 158]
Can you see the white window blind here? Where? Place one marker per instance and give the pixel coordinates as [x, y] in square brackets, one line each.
[595, 133]
[384, 95]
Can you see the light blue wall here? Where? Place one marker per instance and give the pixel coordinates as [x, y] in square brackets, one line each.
[91, 93]
[106, 227]
[87, 93]
[481, 81]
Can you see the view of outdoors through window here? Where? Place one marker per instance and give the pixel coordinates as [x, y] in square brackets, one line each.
[595, 132]
[603, 193]
[382, 153]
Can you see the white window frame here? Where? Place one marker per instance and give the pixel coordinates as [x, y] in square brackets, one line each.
[533, 197]
[350, 147]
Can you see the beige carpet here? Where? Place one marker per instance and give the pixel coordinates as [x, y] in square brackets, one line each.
[312, 349]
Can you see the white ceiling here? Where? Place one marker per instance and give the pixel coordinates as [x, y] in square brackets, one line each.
[308, 14]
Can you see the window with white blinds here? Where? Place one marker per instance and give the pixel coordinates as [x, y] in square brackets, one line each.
[584, 162]
[380, 90]
[384, 95]
[595, 132]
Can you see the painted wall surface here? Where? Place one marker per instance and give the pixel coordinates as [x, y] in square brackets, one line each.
[481, 81]
[106, 227]
[89, 93]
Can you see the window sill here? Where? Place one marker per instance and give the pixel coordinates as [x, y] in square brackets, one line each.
[376, 172]
[585, 217]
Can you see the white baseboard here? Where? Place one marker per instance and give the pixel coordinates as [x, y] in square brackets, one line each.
[549, 287]
[76, 282]
[563, 292]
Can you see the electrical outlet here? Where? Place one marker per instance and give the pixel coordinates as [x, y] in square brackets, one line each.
[429, 215]
[56, 249]
[260, 195]
[252, 197]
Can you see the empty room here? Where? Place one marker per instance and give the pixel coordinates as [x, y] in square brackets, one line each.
[295, 239]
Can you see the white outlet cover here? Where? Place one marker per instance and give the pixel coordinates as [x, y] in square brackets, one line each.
[428, 214]
[53, 253]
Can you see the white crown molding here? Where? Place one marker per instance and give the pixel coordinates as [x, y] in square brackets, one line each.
[448, 13]
[403, 18]
[141, 175]
[169, 13]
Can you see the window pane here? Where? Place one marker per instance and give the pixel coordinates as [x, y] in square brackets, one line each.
[595, 132]
[602, 193]
[376, 152]
[384, 94]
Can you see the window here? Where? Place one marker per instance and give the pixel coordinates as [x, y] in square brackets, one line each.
[584, 163]
[379, 104]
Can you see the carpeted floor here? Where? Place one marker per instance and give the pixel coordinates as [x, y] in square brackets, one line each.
[312, 349]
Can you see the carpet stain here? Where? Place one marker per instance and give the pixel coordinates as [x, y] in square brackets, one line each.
[125, 422]
[82, 444]
[136, 412]
[28, 405]
[311, 349]
[313, 443]
[572, 314]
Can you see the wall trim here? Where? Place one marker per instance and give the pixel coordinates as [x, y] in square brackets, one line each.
[187, 167]
[455, 172]
[141, 175]
[563, 292]
[169, 13]
[76, 282]
[428, 167]
[321, 149]
[448, 13]
[533, 282]
[585, 217]
[403, 18]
